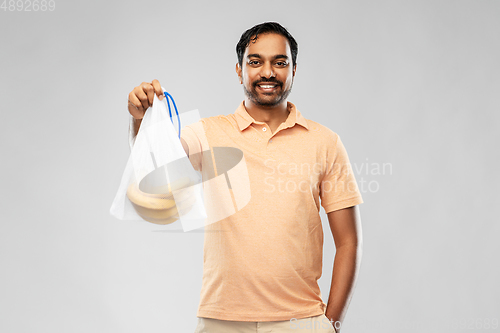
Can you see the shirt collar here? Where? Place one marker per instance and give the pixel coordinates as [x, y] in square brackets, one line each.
[244, 119]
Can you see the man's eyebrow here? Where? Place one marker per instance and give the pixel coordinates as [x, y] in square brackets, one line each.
[253, 55]
[278, 56]
[281, 56]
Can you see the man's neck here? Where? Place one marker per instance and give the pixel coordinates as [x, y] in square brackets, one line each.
[273, 116]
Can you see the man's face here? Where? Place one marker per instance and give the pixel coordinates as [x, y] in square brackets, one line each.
[267, 72]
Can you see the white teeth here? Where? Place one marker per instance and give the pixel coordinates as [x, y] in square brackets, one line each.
[266, 86]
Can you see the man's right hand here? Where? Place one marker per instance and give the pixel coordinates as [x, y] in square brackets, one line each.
[141, 98]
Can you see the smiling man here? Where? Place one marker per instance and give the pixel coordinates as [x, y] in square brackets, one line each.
[266, 74]
[262, 264]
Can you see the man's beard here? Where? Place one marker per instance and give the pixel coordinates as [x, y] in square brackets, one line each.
[254, 96]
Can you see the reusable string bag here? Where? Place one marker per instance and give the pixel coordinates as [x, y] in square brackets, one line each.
[159, 184]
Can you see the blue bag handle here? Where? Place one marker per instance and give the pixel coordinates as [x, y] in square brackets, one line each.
[167, 96]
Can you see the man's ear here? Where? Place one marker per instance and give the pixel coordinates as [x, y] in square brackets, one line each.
[294, 69]
[238, 71]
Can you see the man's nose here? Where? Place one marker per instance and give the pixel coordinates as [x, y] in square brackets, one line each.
[267, 71]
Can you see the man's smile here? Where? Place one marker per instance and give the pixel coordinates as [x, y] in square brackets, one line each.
[267, 86]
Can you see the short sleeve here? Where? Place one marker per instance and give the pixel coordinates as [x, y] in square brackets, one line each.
[338, 188]
[191, 136]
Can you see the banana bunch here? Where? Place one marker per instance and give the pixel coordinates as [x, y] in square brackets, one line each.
[160, 207]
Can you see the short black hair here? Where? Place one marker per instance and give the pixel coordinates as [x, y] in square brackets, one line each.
[266, 27]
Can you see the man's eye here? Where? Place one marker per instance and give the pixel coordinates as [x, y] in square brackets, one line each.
[253, 62]
[281, 63]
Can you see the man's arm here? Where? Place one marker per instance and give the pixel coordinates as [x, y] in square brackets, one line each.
[136, 125]
[345, 225]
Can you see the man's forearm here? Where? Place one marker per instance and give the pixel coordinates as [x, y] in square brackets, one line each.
[133, 129]
[136, 125]
[345, 272]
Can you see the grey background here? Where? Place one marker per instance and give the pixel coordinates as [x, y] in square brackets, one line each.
[410, 84]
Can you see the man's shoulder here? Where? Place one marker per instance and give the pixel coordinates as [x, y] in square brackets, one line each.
[217, 122]
[321, 132]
